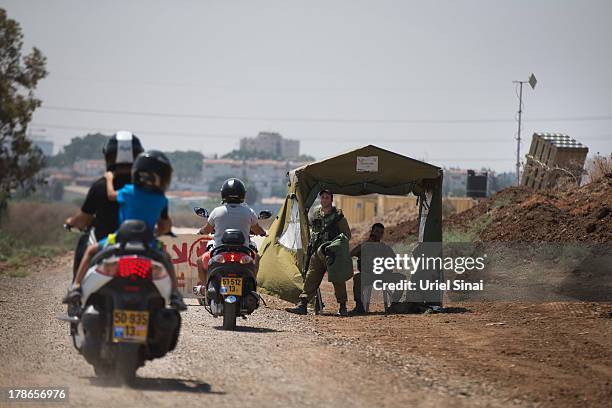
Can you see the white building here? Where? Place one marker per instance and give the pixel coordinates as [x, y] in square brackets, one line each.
[267, 176]
[273, 143]
[89, 168]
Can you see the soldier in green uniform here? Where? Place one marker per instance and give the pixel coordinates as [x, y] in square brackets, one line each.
[327, 223]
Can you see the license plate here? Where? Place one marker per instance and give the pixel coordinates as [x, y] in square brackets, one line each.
[130, 326]
[231, 286]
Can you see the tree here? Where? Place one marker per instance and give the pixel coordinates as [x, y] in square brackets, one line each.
[20, 161]
[249, 155]
[305, 158]
[187, 165]
[252, 195]
[88, 147]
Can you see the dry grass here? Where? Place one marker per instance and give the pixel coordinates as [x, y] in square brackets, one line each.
[31, 231]
[599, 167]
[37, 223]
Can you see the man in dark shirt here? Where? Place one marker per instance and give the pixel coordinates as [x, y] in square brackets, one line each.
[97, 210]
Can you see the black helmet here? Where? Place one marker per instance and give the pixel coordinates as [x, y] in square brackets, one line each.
[152, 170]
[233, 191]
[122, 148]
[134, 231]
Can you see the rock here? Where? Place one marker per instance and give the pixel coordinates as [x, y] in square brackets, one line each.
[603, 213]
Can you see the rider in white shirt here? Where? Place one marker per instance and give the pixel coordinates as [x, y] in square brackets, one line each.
[233, 213]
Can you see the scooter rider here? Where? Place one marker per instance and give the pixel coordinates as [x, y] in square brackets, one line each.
[119, 152]
[233, 213]
[98, 211]
[143, 200]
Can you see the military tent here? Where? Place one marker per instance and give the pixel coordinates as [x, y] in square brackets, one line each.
[366, 170]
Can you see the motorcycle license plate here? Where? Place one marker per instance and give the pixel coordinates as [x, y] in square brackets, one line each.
[231, 286]
[130, 326]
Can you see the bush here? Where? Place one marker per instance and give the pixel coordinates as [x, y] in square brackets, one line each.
[599, 167]
[30, 231]
[35, 223]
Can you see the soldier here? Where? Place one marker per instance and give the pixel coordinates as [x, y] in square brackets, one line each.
[326, 223]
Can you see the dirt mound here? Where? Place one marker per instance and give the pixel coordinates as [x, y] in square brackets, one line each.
[522, 214]
[399, 215]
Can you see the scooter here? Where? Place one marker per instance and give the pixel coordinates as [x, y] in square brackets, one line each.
[125, 317]
[231, 287]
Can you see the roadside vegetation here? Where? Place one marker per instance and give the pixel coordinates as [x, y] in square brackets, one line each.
[31, 232]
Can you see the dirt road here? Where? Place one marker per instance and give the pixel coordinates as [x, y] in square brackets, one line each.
[538, 356]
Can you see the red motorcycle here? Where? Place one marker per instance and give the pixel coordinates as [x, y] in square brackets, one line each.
[231, 287]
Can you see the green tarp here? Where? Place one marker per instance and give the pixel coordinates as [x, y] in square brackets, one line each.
[367, 170]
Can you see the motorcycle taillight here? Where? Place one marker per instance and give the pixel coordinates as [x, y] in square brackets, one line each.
[133, 266]
[232, 256]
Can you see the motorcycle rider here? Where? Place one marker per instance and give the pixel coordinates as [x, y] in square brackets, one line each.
[143, 200]
[232, 213]
[98, 211]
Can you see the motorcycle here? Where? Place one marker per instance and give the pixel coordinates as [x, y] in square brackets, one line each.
[231, 287]
[124, 317]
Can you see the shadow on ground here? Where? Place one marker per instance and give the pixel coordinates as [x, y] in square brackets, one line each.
[158, 384]
[249, 329]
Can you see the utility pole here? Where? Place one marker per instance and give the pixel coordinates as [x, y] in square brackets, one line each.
[532, 82]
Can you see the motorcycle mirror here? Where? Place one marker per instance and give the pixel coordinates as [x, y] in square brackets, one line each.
[264, 214]
[201, 212]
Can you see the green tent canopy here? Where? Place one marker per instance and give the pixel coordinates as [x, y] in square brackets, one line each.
[366, 170]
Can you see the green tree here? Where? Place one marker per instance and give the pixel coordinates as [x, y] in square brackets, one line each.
[187, 165]
[252, 195]
[249, 155]
[305, 158]
[501, 181]
[87, 147]
[259, 155]
[20, 161]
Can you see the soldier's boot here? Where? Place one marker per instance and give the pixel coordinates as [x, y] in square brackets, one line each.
[358, 309]
[342, 312]
[300, 309]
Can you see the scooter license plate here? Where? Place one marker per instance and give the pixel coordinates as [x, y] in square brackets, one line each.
[231, 286]
[130, 326]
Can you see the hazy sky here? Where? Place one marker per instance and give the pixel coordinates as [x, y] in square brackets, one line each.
[428, 79]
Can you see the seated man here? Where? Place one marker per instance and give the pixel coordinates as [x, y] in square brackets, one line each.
[233, 213]
[376, 235]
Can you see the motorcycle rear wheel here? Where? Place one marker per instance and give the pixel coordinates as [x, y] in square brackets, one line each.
[126, 363]
[229, 316]
[102, 370]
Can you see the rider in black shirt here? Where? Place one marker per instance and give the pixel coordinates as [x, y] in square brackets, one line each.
[103, 214]
[97, 210]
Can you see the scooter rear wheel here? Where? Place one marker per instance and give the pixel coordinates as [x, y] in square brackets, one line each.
[126, 363]
[229, 316]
